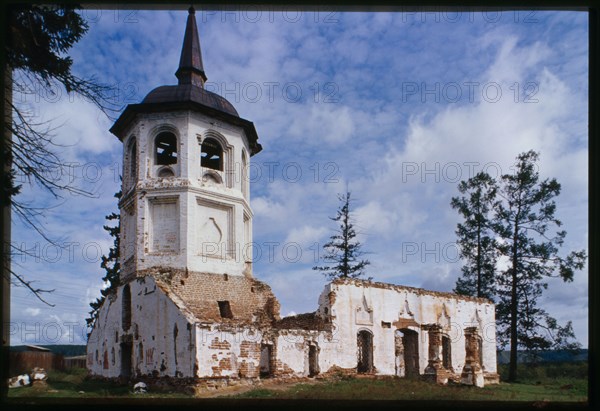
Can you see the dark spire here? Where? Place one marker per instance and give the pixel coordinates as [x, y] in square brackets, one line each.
[190, 69]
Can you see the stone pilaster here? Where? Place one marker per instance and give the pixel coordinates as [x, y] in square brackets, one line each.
[472, 373]
[435, 370]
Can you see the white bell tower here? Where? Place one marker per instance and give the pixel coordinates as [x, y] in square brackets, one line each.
[185, 201]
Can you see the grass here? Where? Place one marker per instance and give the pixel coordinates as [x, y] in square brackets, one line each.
[74, 384]
[549, 382]
[402, 389]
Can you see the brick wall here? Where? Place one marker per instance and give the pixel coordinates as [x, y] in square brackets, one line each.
[251, 301]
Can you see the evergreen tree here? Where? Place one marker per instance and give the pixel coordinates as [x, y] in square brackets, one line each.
[517, 216]
[476, 236]
[110, 264]
[342, 252]
[525, 220]
[38, 38]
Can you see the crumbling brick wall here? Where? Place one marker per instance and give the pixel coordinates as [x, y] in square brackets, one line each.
[251, 301]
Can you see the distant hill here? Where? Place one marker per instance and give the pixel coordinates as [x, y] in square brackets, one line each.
[65, 350]
[545, 356]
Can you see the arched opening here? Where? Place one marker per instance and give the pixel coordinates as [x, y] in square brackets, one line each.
[313, 360]
[126, 308]
[410, 342]
[210, 177]
[212, 154]
[140, 353]
[166, 149]
[244, 175]
[266, 360]
[446, 352]
[166, 172]
[126, 351]
[364, 341]
[132, 161]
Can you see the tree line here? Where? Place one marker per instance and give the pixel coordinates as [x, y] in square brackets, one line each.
[510, 239]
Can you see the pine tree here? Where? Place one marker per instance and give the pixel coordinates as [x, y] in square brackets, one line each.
[525, 218]
[476, 237]
[38, 40]
[110, 264]
[517, 214]
[343, 251]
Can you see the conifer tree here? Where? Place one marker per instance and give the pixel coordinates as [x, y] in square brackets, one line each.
[343, 251]
[110, 263]
[518, 214]
[525, 225]
[478, 247]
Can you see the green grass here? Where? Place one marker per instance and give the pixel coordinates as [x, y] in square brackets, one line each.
[74, 384]
[551, 382]
[401, 389]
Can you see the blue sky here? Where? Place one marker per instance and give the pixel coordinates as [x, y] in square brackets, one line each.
[399, 107]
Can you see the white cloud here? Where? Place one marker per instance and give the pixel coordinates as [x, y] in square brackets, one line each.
[373, 137]
[34, 312]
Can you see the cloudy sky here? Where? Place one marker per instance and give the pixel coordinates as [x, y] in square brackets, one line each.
[398, 107]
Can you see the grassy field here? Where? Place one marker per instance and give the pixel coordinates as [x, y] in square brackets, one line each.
[74, 384]
[549, 382]
[552, 382]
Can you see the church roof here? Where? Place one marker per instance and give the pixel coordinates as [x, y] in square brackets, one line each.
[189, 93]
[191, 70]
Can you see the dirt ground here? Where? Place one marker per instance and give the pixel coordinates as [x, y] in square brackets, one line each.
[268, 383]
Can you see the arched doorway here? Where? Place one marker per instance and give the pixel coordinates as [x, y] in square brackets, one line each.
[410, 343]
[365, 352]
[313, 360]
[266, 360]
[126, 308]
[126, 351]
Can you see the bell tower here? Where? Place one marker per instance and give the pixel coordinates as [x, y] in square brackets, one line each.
[185, 201]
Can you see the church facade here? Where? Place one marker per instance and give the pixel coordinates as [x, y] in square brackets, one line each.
[189, 306]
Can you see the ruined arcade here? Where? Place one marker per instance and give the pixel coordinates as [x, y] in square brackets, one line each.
[189, 306]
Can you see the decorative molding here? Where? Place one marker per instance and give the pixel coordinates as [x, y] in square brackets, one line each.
[230, 229]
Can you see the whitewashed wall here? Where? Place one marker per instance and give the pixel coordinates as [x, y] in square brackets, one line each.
[168, 235]
[154, 317]
[350, 314]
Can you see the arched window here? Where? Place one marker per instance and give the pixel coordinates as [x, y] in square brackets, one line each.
[132, 161]
[244, 175]
[166, 149]
[212, 154]
[140, 352]
[365, 351]
[126, 308]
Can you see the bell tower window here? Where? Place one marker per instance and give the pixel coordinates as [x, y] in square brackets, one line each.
[244, 175]
[133, 161]
[212, 155]
[166, 149]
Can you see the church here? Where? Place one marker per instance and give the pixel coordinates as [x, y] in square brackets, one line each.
[189, 306]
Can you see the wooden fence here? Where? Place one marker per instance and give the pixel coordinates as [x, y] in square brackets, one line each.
[23, 362]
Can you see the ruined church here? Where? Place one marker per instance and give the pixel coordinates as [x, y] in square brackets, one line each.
[189, 305]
